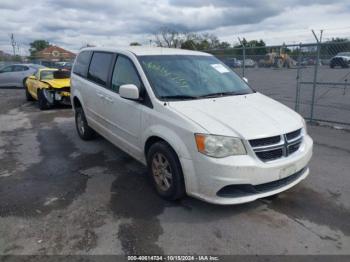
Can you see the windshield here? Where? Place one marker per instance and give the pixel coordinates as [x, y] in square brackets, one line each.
[46, 75]
[191, 76]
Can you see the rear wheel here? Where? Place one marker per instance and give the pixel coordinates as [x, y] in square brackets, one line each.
[84, 131]
[166, 172]
[42, 101]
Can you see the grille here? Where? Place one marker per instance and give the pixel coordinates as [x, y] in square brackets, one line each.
[242, 190]
[294, 134]
[265, 141]
[276, 147]
[293, 148]
[270, 155]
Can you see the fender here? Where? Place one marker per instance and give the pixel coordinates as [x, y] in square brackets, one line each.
[76, 94]
[171, 137]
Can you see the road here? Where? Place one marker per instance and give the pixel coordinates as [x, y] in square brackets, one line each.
[61, 195]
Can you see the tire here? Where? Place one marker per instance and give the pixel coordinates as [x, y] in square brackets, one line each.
[84, 131]
[28, 95]
[42, 101]
[164, 165]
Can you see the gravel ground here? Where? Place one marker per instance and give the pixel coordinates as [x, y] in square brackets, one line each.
[60, 195]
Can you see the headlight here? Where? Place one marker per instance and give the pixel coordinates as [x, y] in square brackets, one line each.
[219, 146]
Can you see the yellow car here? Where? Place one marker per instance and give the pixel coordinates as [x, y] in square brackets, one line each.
[49, 86]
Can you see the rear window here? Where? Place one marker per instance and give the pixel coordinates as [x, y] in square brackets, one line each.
[99, 67]
[82, 63]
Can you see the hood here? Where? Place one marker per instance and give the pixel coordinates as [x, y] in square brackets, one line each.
[247, 116]
[58, 83]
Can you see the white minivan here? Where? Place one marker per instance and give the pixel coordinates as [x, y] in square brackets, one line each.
[200, 129]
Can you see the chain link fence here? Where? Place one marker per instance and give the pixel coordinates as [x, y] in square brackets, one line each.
[311, 78]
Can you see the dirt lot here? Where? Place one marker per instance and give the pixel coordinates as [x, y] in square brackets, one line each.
[60, 195]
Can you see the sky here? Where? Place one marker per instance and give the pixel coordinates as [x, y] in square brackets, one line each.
[72, 24]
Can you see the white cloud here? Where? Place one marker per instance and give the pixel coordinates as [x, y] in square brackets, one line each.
[71, 24]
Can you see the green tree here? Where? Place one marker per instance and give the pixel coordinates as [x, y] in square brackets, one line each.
[335, 46]
[37, 45]
[253, 47]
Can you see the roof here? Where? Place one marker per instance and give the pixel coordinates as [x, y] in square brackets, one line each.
[22, 64]
[52, 48]
[145, 50]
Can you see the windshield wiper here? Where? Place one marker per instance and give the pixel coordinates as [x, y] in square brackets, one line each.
[180, 97]
[218, 94]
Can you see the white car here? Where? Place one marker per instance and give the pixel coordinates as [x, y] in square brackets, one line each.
[15, 75]
[200, 129]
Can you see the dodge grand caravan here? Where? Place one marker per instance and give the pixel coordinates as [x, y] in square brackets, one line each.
[199, 128]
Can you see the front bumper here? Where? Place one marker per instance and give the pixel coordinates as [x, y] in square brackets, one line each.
[205, 176]
[54, 96]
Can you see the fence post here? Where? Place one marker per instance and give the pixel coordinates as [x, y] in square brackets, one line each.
[297, 95]
[243, 66]
[315, 75]
[243, 49]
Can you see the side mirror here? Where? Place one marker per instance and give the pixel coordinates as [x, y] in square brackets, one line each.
[32, 77]
[245, 79]
[129, 91]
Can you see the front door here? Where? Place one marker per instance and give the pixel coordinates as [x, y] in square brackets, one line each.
[124, 116]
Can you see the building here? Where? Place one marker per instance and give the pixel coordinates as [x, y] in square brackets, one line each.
[4, 56]
[54, 54]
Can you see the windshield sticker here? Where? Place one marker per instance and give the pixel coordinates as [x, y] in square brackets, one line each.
[220, 68]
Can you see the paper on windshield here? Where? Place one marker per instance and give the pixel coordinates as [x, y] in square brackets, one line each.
[220, 68]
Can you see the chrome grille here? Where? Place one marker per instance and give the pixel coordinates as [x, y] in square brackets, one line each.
[276, 147]
[293, 135]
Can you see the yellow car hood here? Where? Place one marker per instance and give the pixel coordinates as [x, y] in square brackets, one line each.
[58, 83]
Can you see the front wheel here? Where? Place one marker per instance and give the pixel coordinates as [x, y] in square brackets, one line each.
[166, 172]
[84, 131]
[43, 103]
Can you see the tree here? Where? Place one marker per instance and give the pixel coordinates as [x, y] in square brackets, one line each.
[335, 45]
[167, 37]
[253, 47]
[135, 44]
[37, 45]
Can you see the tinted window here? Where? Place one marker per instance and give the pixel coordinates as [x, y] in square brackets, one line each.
[124, 73]
[82, 63]
[18, 68]
[99, 67]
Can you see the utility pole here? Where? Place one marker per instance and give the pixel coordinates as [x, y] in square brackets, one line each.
[243, 65]
[13, 43]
